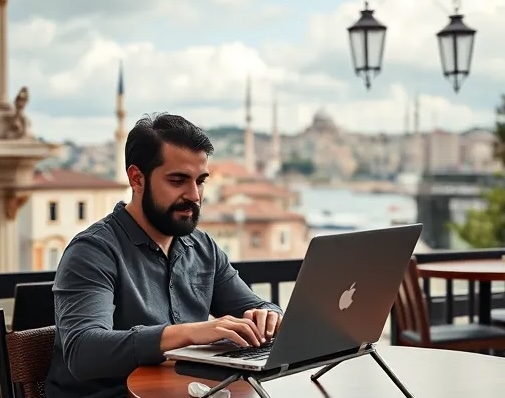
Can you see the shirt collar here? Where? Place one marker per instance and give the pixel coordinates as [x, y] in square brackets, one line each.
[136, 234]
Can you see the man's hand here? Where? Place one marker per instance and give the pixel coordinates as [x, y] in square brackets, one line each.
[242, 331]
[267, 322]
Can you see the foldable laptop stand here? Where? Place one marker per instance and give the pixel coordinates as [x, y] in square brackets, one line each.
[227, 375]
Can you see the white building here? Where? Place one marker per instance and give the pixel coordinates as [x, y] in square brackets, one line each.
[62, 204]
[65, 202]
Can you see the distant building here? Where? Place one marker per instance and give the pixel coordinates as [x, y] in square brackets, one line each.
[224, 173]
[443, 152]
[62, 204]
[325, 144]
[249, 216]
[255, 231]
[477, 151]
[259, 192]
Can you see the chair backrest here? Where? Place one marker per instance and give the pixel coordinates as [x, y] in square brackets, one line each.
[410, 306]
[25, 358]
[6, 388]
[33, 306]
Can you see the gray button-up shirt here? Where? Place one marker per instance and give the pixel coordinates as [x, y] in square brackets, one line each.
[115, 291]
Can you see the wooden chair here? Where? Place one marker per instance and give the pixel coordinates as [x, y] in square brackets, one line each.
[33, 305]
[25, 357]
[414, 329]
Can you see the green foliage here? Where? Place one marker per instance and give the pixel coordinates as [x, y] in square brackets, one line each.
[485, 228]
[499, 149]
[297, 165]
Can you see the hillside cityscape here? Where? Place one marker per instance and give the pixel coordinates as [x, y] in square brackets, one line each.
[325, 152]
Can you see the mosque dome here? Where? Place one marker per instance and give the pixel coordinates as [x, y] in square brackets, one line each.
[323, 121]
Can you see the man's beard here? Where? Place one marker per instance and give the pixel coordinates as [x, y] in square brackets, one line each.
[164, 220]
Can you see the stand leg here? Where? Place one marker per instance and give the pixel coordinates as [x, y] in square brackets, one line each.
[391, 374]
[322, 371]
[222, 385]
[258, 387]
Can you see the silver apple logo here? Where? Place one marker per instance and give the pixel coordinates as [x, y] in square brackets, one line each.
[346, 298]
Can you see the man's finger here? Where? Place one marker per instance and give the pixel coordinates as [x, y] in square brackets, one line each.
[261, 322]
[246, 332]
[279, 321]
[271, 323]
[249, 314]
[233, 336]
[252, 325]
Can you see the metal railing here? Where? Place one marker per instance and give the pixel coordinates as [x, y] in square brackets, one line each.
[442, 308]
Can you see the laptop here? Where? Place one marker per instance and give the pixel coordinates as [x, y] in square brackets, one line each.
[342, 297]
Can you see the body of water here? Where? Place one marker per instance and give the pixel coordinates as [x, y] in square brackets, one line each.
[339, 209]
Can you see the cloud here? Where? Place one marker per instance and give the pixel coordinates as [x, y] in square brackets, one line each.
[70, 65]
[63, 10]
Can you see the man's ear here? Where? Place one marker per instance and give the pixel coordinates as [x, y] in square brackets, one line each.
[136, 178]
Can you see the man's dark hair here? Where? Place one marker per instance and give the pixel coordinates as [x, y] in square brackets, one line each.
[145, 140]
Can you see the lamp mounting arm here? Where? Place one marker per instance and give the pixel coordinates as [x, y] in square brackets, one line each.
[457, 5]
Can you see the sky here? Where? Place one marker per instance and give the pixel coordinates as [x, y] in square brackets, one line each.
[192, 58]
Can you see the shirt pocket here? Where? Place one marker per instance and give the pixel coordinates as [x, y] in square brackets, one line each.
[201, 279]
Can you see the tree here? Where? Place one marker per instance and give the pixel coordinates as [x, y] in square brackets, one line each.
[499, 149]
[485, 228]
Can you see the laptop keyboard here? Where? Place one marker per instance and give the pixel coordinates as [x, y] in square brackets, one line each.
[249, 353]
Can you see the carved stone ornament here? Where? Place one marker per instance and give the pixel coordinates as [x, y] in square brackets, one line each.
[13, 202]
[14, 123]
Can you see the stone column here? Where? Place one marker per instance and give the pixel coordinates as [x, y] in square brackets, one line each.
[4, 101]
[17, 161]
[9, 239]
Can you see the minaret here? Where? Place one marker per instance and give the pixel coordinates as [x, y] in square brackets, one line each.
[276, 139]
[120, 135]
[421, 150]
[250, 161]
[407, 118]
[4, 101]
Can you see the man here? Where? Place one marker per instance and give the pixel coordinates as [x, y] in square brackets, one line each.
[143, 280]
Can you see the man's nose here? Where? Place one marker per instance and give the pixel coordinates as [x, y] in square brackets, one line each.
[193, 193]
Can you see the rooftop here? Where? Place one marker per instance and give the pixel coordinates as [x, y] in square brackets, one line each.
[68, 179]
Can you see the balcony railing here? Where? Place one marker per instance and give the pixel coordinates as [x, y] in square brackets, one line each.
[442, 307]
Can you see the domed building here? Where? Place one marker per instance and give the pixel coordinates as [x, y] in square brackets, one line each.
[323, 124]
[325, 143]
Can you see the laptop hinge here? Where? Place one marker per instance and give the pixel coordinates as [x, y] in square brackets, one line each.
[365, 346]
[284, 368]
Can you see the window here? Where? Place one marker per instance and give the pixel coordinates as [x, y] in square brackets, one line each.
[81, 211]
[53, 258]
[284, 239]
[53, 211]
[256, 239]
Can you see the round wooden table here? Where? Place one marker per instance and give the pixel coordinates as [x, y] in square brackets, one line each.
[482, 271]
[425, 372]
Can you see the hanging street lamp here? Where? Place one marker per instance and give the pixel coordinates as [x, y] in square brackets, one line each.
[367, 38]
[456, 42]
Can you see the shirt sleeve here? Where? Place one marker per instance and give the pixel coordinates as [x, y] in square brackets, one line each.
[231, 295]
[84, 307]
